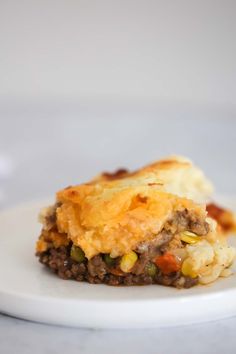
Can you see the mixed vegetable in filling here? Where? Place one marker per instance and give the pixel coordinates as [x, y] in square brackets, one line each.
[180, 259]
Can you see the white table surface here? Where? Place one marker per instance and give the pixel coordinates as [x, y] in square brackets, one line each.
[44, 147]
[17, 336]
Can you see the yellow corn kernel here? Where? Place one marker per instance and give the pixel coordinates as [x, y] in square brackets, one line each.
[189, 237]
[127, 261]
[187, 269]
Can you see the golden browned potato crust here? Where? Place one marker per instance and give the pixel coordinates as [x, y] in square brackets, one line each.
[114, 213]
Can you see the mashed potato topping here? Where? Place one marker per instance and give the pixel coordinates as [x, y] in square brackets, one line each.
[114, 216]
[116, 221]
[208, 261]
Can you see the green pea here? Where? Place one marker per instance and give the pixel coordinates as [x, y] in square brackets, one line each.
[108, 260]
[151, 269]
[77, 254]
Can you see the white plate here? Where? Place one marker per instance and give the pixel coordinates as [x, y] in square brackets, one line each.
[30, 291]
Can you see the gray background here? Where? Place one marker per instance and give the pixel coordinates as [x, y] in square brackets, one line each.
[127, 49]
[44, 147]
[87, 86]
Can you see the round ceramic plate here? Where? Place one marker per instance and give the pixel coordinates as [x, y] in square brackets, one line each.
[29, 291]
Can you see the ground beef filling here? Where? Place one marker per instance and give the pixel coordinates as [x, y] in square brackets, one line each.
[97, 271]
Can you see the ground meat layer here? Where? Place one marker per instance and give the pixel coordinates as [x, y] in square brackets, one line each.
[96, 271]
[57, 257]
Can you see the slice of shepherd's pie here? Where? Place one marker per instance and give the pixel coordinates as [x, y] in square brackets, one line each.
[151, 226]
